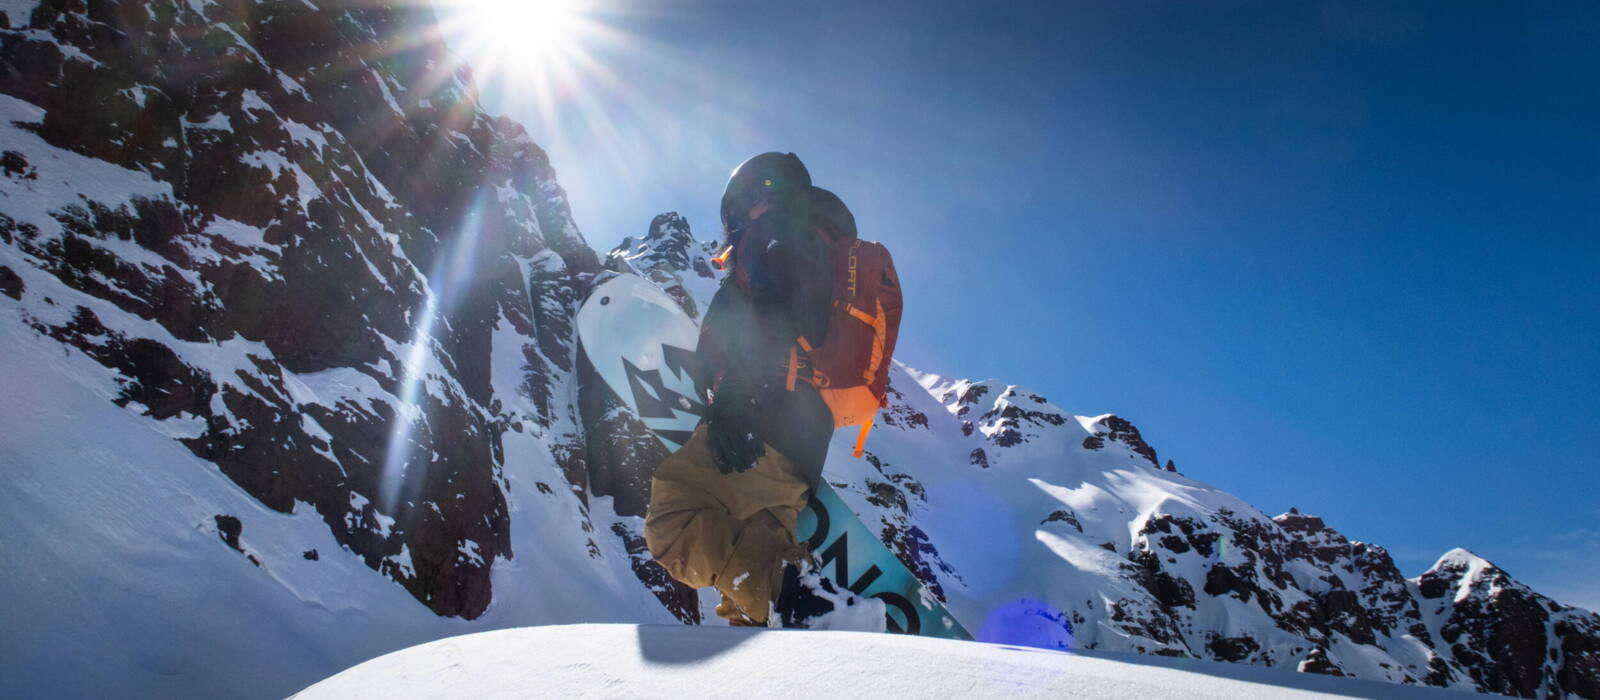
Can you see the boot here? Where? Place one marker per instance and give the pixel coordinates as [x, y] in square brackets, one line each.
[798, 601]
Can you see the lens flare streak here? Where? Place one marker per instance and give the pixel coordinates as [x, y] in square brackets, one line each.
[448, 284]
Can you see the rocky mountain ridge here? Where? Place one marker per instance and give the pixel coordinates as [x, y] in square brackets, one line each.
[321, 305]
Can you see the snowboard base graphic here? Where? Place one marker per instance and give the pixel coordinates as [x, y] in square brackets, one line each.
[642, 344]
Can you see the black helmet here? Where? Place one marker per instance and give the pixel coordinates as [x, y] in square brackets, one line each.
[754, 179]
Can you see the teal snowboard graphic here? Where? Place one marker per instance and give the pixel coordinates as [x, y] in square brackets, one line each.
[642, 344]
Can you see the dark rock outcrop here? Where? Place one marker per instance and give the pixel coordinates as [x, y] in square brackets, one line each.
[1113, 428]
[310, 176]
[1508, 638]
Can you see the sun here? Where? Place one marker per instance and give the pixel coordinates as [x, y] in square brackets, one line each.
[543, 48]
[522, 34]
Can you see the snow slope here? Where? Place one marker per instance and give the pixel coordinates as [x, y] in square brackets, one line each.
[119, 583]
[651, 661]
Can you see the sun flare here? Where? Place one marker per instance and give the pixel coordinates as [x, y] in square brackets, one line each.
[543, 54]
[523, 34]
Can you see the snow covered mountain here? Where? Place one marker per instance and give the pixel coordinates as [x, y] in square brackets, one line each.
[291, 382]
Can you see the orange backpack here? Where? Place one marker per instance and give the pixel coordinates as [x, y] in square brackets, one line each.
[851, 368]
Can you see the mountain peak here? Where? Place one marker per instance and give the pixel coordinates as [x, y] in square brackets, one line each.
[666, 245]
[1463, 561]
[1296, 521]
[1537, 647]
[670, 225]
[669, 255]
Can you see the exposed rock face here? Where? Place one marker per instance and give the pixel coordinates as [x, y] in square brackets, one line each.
[1112, 428]
[1288, 591]
[1464, 623]
[1010, 415]
[892, 491]
[665, 248]
[1507, 638]
[292, 183]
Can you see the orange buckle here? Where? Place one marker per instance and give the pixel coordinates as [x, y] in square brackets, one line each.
[721, 261]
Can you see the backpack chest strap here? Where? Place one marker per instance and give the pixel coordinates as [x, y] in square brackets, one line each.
[798, 364]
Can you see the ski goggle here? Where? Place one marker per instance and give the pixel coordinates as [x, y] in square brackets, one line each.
[736, 213]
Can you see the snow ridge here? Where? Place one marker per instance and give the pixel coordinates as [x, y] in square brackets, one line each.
[641, 661]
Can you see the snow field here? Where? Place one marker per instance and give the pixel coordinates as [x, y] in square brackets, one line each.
[650, 661]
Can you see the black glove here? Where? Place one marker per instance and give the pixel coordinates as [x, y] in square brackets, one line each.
[731, 428]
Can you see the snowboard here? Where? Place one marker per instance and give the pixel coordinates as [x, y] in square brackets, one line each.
[642, 344]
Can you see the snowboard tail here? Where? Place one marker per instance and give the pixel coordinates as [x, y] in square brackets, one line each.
[852, 557]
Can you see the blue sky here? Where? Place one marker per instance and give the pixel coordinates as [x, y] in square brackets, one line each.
[1334, 255]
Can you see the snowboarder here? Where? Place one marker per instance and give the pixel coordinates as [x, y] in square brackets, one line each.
[723, 508]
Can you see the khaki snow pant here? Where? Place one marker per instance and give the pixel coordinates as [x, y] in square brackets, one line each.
[731, 531]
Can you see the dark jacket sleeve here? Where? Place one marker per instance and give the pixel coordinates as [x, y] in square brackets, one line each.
[727, 334]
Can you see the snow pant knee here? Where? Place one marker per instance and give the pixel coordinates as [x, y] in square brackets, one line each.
[730, 531]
